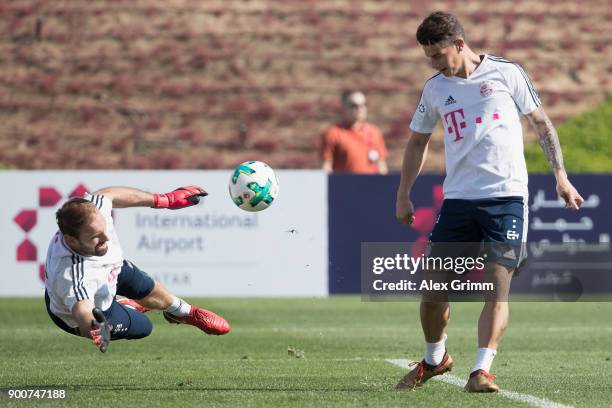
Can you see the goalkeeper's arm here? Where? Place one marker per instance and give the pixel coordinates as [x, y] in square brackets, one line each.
[92, 323]
[123, 197]
[81, 312]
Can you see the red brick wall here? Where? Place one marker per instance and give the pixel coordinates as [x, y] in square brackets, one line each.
[210, 83]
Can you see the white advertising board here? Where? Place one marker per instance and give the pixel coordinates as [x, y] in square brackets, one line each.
[212, 249]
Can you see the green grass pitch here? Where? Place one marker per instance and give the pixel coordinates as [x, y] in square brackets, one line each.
[560, 352]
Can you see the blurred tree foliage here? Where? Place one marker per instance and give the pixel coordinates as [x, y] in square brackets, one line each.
[586, 141]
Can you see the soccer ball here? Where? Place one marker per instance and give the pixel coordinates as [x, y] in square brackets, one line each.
[253, 186]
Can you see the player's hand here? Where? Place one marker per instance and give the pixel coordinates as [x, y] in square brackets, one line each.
[180, 198]
[404, 211]
[100, 331]
[569, 194]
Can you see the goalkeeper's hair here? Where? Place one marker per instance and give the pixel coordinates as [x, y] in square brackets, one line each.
[440, 29]
[75, 213]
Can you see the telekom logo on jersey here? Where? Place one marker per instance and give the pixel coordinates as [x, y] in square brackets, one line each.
[455, 121]
[451, 121]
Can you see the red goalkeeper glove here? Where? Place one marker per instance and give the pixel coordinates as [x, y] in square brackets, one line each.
[179, 198]
[100, 331]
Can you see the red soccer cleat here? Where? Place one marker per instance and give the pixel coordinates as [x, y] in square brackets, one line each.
[205, 320]
[132, 304]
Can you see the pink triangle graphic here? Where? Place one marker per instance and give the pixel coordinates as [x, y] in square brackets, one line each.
[26, 219]
[26, 251]
[48, 196]
[79, 191]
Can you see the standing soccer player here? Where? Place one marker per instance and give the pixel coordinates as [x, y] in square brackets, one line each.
[85, 270]
[479, 99]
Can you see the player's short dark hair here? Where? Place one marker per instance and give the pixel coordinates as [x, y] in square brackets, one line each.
[440, 29]
[345, 95]
[73, 215]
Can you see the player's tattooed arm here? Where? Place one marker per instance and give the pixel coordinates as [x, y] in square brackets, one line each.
[548, 138]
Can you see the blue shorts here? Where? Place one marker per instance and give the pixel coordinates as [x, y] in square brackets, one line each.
[127, 322]
[494, 228]
[134, 283]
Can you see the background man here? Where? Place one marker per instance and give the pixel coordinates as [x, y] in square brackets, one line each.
[85, 269]
[478, 98]
[354, 145]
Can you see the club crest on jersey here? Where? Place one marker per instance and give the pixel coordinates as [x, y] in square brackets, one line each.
[449, 101]
[486, 89]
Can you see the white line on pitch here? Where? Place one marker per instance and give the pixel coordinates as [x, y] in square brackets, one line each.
[517, 396]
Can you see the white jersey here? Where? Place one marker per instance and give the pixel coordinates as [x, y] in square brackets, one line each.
[483, 137]
[71, 277]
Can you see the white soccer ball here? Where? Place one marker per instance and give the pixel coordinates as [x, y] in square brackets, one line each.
[253, 186]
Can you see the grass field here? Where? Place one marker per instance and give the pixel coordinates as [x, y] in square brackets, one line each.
[558, 352]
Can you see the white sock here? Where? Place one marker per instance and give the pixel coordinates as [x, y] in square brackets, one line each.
[434, 352]
[178, 307]
[484, 359]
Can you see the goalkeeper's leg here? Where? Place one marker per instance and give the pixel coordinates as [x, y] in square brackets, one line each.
[136, 284]
[178, 311]
[127, 323]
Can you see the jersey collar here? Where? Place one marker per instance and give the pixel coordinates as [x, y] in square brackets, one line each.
[483, 59]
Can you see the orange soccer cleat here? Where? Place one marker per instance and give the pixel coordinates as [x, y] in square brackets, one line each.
[423, 372]
[481, 381]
